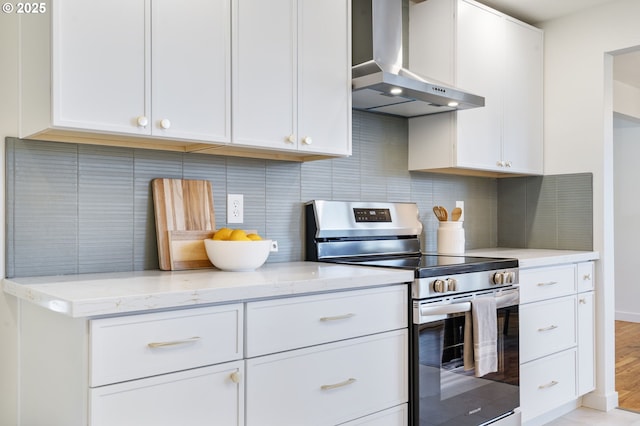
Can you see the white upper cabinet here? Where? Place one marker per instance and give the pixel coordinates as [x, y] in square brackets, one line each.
[191, 69]
[489, 54]
[264, 70]
[253, 78]
[523, 96]
[292, 74]
[99, 70]
[145, 67]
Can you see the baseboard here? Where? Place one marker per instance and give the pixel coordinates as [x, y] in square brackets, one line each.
[627, 316]
[600, 402]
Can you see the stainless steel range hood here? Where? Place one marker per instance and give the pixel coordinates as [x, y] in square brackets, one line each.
[380, 81]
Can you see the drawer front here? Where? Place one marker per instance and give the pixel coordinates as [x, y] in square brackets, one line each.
[136, 346]
[547, 383]
[331, 384]
[586, 278]
[311, 320]
[396, 416]
[203, 396]
[546, 283]
[547, 327]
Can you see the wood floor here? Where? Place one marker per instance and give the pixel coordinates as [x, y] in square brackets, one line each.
[628, 365]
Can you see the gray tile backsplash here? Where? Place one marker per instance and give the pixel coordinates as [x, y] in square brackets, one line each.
[554, 212]
[85, 208]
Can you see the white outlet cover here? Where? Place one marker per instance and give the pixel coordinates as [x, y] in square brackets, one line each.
[235, 208]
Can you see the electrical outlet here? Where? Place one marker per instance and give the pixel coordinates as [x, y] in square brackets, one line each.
[235, 208]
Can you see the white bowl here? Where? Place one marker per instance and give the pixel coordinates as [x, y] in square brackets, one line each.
[237, 255]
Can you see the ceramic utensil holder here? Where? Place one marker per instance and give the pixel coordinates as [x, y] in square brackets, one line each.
[450, 237]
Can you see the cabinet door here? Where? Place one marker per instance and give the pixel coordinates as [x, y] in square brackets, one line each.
[99, 67]
[264, 72]
[586, 343]
[324, 76]
[191, 69]
[203, 396]
[522, 142]
[480, 70]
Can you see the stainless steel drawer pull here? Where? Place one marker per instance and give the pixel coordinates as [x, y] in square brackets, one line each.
[548, 385]
[338, 385]
[547, 283]
[337, 317]
[154, 345]
[551, 327]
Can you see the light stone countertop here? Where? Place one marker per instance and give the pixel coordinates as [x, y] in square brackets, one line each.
[88, 295]
[533, 258]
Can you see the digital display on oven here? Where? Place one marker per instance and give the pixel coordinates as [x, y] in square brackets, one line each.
[372, 215]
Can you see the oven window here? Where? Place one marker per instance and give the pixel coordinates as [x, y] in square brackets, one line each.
[447, 393]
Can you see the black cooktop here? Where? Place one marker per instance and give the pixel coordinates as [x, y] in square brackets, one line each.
[431, 265]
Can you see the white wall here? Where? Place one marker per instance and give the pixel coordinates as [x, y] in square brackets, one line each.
[579, 138]
[8, 305]
[626, 150]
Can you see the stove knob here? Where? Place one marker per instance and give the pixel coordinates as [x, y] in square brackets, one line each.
[509, 277]
[452, 284]
[439, 286]
[498, 278]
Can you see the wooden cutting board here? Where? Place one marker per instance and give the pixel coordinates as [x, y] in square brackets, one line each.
[184, 218]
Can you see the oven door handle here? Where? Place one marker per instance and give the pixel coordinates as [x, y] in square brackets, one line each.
[503, 299]
[452, 308]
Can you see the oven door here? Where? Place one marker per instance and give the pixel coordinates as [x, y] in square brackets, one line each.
[443, 391]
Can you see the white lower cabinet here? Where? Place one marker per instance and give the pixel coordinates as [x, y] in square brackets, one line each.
[586, 343]
[328, 384]
[324, 359]
[328, 359]
[547, 327]
[557, 343]
[547, 383]
[202, 396]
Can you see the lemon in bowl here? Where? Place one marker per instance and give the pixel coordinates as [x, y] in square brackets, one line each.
[239, 251]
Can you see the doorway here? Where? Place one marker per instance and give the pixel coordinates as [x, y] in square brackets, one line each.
[626, 148]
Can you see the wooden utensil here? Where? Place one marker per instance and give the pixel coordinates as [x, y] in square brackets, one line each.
[184, 218]
[445, 213]
[456, 214]
[440, 212]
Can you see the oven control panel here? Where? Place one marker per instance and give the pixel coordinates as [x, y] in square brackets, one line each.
[463, 282]
[372, 215]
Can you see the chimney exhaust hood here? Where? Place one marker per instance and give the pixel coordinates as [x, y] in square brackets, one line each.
[380, 81]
